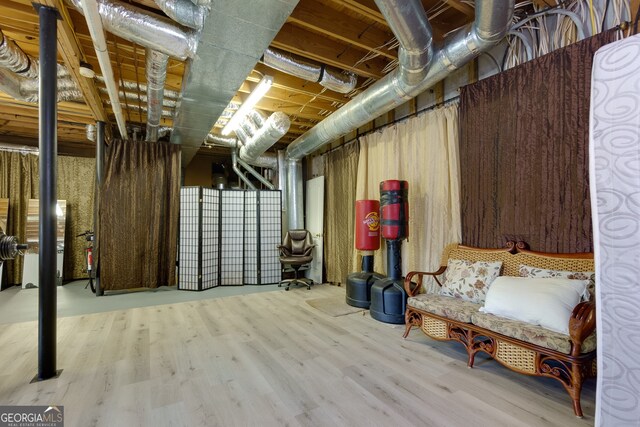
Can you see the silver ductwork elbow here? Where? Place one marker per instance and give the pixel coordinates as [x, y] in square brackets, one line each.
[156, 69]
[184, 12]
[273, 129]
[14, 59]
[327, 76]
[144, 28]
[492, 21]
[411, 26]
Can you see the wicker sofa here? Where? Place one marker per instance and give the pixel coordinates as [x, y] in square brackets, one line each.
[520, 346]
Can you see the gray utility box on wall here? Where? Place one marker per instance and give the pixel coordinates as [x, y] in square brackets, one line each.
[228, 237]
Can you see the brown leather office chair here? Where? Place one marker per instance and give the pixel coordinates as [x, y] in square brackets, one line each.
[296, 250]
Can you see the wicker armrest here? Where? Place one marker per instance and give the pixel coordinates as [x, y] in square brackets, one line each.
[581, 324]
[412, 288]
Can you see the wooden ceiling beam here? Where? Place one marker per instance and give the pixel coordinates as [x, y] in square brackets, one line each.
[72, 55]
[330, 22]
[461, 7]
[294, 39]
[366, 8]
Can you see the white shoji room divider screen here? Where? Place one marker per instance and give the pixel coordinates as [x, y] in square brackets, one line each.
[262, 237]
[199, 231]
[228, 237]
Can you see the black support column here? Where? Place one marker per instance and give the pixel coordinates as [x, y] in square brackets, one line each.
[47, 292]
[100, 141]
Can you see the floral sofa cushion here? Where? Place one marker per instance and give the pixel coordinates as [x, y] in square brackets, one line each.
[451, 308]
[469, 281]
[530, 333]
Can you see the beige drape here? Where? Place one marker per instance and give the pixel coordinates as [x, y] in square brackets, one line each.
[19, 181]
[340, 170]
[422, 150]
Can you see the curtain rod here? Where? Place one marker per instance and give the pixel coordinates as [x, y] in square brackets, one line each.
[393, 122]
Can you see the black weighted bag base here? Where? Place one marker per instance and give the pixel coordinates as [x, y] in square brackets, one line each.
[388, 301]
[359, 288]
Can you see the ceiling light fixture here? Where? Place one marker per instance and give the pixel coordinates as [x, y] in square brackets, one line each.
[86, 70]
[263, 86]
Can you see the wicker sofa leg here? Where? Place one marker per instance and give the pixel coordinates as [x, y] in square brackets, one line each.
[577, 378]
[411, 319]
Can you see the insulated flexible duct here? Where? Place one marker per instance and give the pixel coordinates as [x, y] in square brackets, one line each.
[271, 131]
[13, 58]
[156, 76]
[329, 77]
[184, 12]
[144, 28]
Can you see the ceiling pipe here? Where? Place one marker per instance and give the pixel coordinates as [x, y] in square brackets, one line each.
[94, 22]
[234, 166]
[327, 76]
[184, 12]
[490, 26]
[253, 172]
[144, 28]
[271, 131]
[221, 141]
[265, 160]
[157, 63]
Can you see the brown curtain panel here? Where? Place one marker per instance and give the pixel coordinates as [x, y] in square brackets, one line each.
[341, 170]
[138, 215]
[19, 179]
[524, 138]
[76, 185]
[19, 182]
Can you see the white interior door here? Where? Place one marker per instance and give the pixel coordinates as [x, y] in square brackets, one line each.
[314, 209]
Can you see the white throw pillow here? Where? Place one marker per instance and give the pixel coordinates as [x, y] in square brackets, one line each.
[544, 302]
[468, 280]
[529, 271]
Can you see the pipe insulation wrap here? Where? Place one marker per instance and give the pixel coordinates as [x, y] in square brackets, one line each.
[184, 12]
[266, 160]
[147, 29]
[327, 76]
[491, 23]
[91, 132]
[133, 98]
[156, 63]
[273, 129]
[129, 85]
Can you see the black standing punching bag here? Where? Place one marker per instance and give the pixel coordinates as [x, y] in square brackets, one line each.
[388, 298]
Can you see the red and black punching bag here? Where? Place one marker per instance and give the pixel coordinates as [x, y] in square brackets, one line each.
[367, 225]
[394, 213]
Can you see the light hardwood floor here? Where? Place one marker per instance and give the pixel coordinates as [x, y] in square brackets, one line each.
[269, 359]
